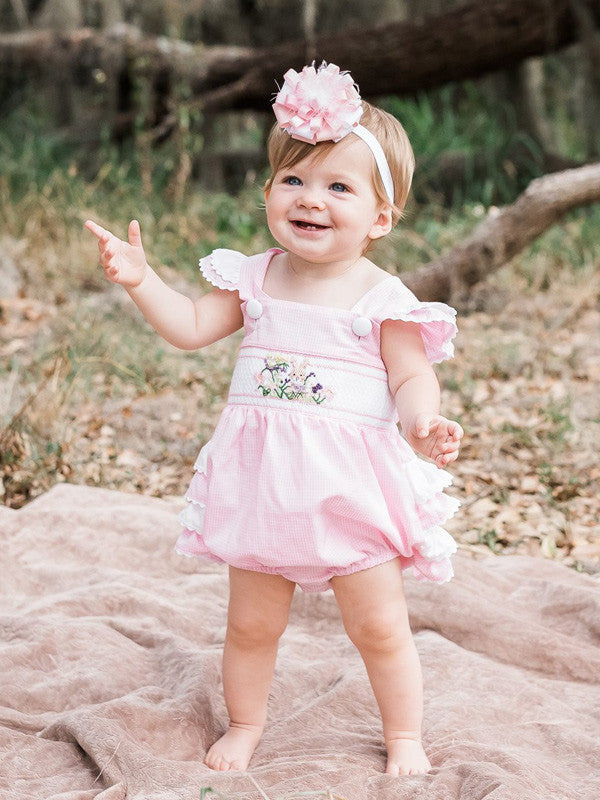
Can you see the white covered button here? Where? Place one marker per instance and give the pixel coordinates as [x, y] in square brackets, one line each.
[362, 326]
[254, 308]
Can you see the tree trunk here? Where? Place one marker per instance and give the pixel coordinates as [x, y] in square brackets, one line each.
[505, 232]
[398, 58]
[60, 18]
[589, 76]
[527, 84]
[20, 12]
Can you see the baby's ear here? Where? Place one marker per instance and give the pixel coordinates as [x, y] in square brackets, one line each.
[383, 224]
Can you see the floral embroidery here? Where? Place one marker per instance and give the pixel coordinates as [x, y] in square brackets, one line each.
[291, 380]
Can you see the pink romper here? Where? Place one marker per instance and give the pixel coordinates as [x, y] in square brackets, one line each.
[307, 475]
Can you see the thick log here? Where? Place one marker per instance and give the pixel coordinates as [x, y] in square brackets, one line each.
[506, 232]
[87, 48]
[397, 58]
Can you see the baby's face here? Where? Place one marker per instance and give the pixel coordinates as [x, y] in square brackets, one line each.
[326, 210]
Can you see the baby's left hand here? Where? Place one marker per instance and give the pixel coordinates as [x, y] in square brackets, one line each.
[436, 437]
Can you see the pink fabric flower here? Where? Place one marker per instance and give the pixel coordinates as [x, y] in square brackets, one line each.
[318, 105]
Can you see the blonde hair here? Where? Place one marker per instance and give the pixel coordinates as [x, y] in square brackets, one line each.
[285, 152]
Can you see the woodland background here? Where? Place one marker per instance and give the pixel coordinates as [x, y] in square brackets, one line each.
[160, 110]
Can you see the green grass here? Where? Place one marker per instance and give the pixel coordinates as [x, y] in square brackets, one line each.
[465, 119]
[558, 413]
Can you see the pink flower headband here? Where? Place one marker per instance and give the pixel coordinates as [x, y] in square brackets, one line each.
[321, 105]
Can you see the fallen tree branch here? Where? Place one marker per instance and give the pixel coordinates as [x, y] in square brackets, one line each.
[398, 58]
[506, 232]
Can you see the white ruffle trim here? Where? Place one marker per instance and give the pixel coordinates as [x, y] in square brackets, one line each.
[438, 327]
[425, 479]
[222, 268]
[192, 516]
[201, 463]
[432, 543]
[436, 545]
[426, 482]
[192, 520]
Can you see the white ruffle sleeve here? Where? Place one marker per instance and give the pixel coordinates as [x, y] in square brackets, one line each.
[222, 268]
[437, 321]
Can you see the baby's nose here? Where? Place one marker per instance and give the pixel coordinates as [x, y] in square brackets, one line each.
[311, 198]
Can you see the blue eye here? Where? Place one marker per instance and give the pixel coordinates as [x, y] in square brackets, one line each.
[339, 187]
[292, 180]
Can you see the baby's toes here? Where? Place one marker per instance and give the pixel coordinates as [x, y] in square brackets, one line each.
[399, 770]
[214, 760]
[406, 757]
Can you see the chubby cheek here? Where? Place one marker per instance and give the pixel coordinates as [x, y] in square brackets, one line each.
[274, 212]
[274, 224]
[270, 216]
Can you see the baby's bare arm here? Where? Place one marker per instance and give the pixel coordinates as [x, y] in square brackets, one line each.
[183, 322]
[178, 319]
[416, 390]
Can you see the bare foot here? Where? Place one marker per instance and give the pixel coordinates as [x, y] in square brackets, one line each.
[234, 749]
[406, 757]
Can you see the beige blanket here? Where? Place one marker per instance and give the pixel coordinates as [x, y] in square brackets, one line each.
[110, 672]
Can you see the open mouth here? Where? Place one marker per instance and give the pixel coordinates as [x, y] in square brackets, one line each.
[308, 226]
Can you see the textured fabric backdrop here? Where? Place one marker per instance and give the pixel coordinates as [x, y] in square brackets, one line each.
[110, 672]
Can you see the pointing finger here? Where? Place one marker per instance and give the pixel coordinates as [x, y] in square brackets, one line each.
[96, 229]
[101, 234]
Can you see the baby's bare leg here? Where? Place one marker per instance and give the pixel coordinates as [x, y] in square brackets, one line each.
[258, 612]
[376, 619]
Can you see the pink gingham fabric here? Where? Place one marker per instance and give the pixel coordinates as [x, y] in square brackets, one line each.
[307, 475]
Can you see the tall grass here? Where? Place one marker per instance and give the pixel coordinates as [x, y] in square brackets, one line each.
[465, 121]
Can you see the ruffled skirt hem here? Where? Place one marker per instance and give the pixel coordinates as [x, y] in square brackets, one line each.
[255, 507]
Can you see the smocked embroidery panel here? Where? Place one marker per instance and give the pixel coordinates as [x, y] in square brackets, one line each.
[291, 378]
[326, 386]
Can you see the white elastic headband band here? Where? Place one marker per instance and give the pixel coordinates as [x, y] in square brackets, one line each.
[382, 165]
[323, 105]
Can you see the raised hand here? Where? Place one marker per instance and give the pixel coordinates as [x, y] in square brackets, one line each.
[436, 437]
[123, 262]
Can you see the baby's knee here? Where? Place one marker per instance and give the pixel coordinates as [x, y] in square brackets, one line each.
[380, 630]
[255, 629]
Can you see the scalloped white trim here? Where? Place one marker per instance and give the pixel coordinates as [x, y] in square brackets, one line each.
[183, 553]
[222, 268]
[436, 545]
[201, 463]
[425, 479]
[192, 517]
[195, 502]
